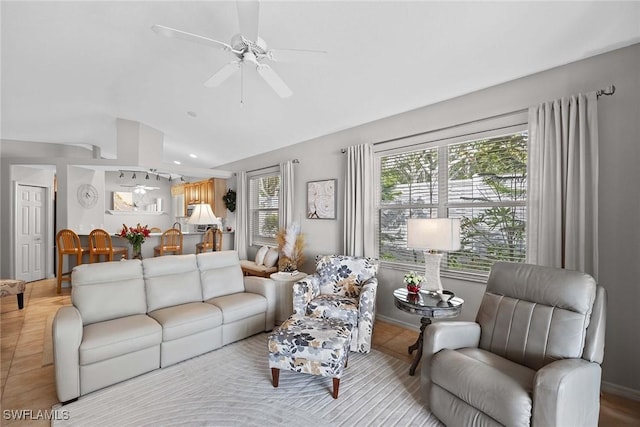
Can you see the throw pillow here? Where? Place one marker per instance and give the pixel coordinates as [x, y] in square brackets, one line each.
[260, 255]
[271, 258]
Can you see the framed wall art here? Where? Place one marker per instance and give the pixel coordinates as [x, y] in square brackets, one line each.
[321, 199]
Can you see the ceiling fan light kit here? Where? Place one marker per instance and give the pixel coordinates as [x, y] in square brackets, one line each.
[247, 47]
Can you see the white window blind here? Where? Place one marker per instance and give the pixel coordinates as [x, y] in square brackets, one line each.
[481, 181]
[264, 200]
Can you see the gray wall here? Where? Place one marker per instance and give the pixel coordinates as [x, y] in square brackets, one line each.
[619, 128]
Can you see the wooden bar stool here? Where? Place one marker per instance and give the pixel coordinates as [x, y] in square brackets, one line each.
[170, 243]
[212, 239]
[68, 243]
[100, 243]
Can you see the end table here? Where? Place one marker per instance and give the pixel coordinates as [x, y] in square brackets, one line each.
[427, 306]
[284, 293]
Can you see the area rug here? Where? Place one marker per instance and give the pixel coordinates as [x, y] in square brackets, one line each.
[232, 386]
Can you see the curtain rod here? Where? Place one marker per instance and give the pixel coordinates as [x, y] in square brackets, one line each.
[294, 161]
[607, 91]
[344, 150]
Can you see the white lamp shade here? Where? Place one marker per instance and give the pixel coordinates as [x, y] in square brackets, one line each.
[440, 234]
[202, 214]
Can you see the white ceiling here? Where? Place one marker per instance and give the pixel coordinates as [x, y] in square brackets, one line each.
[69, 69]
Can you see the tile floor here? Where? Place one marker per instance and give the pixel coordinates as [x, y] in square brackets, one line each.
[28, 377]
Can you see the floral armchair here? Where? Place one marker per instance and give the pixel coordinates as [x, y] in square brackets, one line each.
[343, 287]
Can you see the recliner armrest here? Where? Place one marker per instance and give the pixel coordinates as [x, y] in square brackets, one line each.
[567, 393]
[67, 335]
[266, 288]
[452, 335]
[304, 290]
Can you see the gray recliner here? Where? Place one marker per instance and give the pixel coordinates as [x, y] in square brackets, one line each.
[531, 358]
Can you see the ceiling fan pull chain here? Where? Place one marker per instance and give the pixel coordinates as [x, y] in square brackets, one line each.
[241, 84]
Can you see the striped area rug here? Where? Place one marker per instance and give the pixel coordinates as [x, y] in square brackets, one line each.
[231, 386]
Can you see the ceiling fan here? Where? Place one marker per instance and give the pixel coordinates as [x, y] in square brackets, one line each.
[139, 188]
[247, 48]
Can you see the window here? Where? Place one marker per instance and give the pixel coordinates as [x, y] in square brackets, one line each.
[264, 201]
[481, 181]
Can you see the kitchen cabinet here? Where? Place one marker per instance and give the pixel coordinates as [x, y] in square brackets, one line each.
[207, 191]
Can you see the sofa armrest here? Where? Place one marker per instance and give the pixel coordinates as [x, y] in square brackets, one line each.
[67, 336]
[441, 335]
[304, 290]
[367, 314]
[567, 393]
[266, 288]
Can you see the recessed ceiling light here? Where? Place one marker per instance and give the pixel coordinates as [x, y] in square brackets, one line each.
[193, 156]
[177, 162]
[192, 114]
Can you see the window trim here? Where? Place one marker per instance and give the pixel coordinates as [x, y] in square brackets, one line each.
[492, 127]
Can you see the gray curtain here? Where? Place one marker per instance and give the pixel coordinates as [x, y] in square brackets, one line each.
[562, 226]
[242, 215]
[359, 202]
[286, 191]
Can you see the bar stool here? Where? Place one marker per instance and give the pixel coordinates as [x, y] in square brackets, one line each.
[68, 243]
[208, 242]
[170, 242]
[100, 244]
[212, 239]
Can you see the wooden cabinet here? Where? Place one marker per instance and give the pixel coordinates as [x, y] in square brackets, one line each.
[208, 191]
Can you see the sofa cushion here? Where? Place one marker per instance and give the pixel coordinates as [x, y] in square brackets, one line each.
[187, 319]
[108, 290]
[334, 307]
[220, 273]
[271, 258]
[171, 280]
[239, 306]
[113, 338]
[485, 381]
[262, 252]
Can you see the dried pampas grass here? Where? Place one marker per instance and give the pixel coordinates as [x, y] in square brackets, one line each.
[290, 245]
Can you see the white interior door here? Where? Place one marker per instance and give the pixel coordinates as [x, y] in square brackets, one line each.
[30, 233]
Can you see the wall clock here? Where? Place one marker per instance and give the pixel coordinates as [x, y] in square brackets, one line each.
[87, 195]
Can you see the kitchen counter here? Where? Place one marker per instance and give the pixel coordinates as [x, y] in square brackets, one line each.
[189, 241]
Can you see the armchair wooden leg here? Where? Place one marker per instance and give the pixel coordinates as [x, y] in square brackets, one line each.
[275, 376]
[336, 386]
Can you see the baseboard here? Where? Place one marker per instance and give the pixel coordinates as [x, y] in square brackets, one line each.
[397, 322]
[621, 391]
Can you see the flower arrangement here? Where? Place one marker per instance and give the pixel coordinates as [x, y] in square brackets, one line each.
[413, 281]
[290, 244]
[135, 236]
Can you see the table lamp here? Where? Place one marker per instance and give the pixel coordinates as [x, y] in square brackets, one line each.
[202, 214]
[430, 235]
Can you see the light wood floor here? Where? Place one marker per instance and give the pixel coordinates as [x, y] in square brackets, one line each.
[27, 384]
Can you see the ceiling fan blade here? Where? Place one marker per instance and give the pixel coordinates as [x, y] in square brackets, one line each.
[248, 14]
[179, 34]
[274, 81]
[298, 55]
[223, 74]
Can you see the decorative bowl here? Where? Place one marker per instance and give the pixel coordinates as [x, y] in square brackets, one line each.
[445, 295]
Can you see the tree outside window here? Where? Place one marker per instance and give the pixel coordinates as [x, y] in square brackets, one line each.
[482, 182]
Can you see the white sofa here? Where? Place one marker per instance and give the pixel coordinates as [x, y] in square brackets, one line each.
[131, 317]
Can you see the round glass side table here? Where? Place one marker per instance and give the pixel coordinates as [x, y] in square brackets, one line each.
[428, 307]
